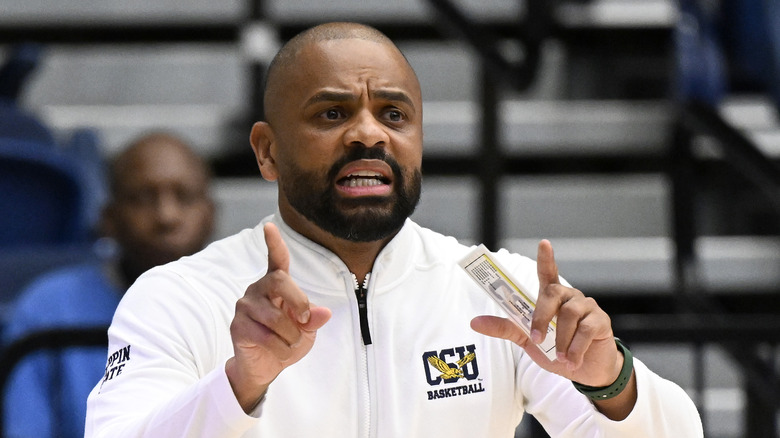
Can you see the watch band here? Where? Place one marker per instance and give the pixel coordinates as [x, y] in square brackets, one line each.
[607, 392]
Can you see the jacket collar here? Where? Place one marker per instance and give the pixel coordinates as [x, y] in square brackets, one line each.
[315, 267]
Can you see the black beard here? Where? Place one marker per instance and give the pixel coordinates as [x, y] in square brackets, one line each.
[366, 219]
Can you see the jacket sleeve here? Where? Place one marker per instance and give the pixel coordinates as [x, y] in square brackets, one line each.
[662, 409]
[165, 373]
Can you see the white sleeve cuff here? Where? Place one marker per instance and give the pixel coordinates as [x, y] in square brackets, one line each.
[229, 408]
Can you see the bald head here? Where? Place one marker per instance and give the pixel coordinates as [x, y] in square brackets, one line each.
[325, 32]
[288, 56]
[156, 146]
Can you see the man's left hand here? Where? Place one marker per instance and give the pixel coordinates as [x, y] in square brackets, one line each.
[585, 346]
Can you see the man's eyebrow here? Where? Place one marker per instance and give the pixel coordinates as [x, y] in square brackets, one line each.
[343, 96]
[331, 96]
[394, 96]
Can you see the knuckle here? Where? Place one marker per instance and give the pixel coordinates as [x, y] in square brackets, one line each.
[242, 306]
[274, 280]
[271, 317]
[548, 291]
[588, 327]
[607, 319]
[235, 326]
[266, 338]
[578, 303]
[571, 309]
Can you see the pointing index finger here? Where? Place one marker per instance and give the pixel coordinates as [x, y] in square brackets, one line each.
[547, 271]
[278, 254]
[279, 260]
[546, 268]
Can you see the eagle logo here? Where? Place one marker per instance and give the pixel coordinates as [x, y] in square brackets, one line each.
[448, 372]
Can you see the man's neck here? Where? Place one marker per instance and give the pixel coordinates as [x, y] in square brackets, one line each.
[358, 256]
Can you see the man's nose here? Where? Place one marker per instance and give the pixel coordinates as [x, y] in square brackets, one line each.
[367, 130]
[168, 209]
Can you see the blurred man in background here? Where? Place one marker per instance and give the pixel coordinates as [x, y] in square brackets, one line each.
[159, 210]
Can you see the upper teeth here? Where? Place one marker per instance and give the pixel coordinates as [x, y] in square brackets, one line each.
[367, 173]
[363, 178]
[359, 182]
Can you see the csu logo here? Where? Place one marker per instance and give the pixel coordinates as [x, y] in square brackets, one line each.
[450, 364]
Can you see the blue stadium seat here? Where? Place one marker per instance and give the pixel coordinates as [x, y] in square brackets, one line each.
[49, 205]
[15, 72]
[42, 196]
[19, 124]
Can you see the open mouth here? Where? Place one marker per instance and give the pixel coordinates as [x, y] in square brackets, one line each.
[363, 178]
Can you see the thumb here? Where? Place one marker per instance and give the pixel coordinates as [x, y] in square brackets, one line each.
[278, 254]
[319, 316]
[546, 268]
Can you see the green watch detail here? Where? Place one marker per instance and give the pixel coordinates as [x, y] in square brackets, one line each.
[607, 392]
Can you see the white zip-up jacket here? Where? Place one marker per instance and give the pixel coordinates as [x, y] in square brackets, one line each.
[170, 339]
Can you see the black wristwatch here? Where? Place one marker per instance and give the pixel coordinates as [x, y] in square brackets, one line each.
[607, 392]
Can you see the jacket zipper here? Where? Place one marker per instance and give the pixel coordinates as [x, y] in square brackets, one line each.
[361, 292]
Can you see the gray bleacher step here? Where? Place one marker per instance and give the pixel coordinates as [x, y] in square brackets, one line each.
[646, 264]
[139, 74]
[758, 118]
[618, 13]
[406, 11]
[552, 127]
[86, 12]
[614, 205]
[203, 125]
[242, 203]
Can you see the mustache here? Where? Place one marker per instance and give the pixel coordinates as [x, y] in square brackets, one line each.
[364, 153]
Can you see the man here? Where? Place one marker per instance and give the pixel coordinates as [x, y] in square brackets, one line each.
[159, 210]
[326, 319]
[161, 207]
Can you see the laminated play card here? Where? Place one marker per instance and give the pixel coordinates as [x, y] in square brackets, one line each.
[499, 284]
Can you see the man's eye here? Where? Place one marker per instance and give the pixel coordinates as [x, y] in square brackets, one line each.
[142, 198]
[332, 114]
[395, 115]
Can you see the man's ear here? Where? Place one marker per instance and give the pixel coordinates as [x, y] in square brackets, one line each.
[262, 140]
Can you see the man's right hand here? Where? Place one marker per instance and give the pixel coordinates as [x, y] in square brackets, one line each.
[274, 326]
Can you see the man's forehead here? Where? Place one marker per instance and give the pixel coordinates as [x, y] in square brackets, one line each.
[339, 64]
[350, 51]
